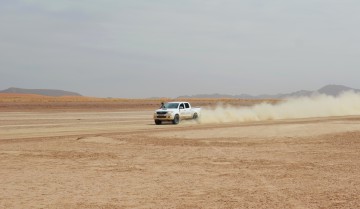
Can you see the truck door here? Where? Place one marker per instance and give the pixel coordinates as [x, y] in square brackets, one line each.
[182, 110]
[187, 110]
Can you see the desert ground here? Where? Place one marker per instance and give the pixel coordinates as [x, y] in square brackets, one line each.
[56, 155]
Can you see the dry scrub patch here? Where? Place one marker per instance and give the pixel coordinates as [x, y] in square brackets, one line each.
[28, 102]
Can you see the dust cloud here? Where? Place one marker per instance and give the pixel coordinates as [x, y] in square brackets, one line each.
[320, 105]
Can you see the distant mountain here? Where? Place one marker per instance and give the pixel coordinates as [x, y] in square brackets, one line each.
[45, 92]
[333, 90]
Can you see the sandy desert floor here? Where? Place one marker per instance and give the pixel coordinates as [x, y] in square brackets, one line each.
[122, 160]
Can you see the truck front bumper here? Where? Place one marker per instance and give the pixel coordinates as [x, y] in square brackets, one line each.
[163, 117]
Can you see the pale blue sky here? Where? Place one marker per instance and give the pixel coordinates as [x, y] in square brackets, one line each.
[130, 48]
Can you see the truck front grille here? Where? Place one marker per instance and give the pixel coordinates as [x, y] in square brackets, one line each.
[161, 113]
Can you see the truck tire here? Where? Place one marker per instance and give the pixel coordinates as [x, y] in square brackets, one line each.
[176, 119]
[195, 116]
[158, 122]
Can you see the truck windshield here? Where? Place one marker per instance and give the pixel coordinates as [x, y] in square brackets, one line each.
[171, 105]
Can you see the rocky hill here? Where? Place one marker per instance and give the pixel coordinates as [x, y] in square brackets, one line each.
[44, 92]
[333, 90]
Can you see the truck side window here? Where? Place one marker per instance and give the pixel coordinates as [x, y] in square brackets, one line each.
[181, 106]
[187, 105]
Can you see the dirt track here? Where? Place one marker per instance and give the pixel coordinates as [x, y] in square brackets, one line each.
[121, 160]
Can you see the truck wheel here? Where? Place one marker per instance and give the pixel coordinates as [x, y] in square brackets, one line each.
[158, 122]
[176, 119]
[195, 116]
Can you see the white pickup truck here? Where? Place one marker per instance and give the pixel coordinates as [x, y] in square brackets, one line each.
[175, 111]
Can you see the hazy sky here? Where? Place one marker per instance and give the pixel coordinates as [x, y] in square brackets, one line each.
[147, 48]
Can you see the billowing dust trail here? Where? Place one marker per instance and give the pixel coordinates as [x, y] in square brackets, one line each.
[318, 105]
